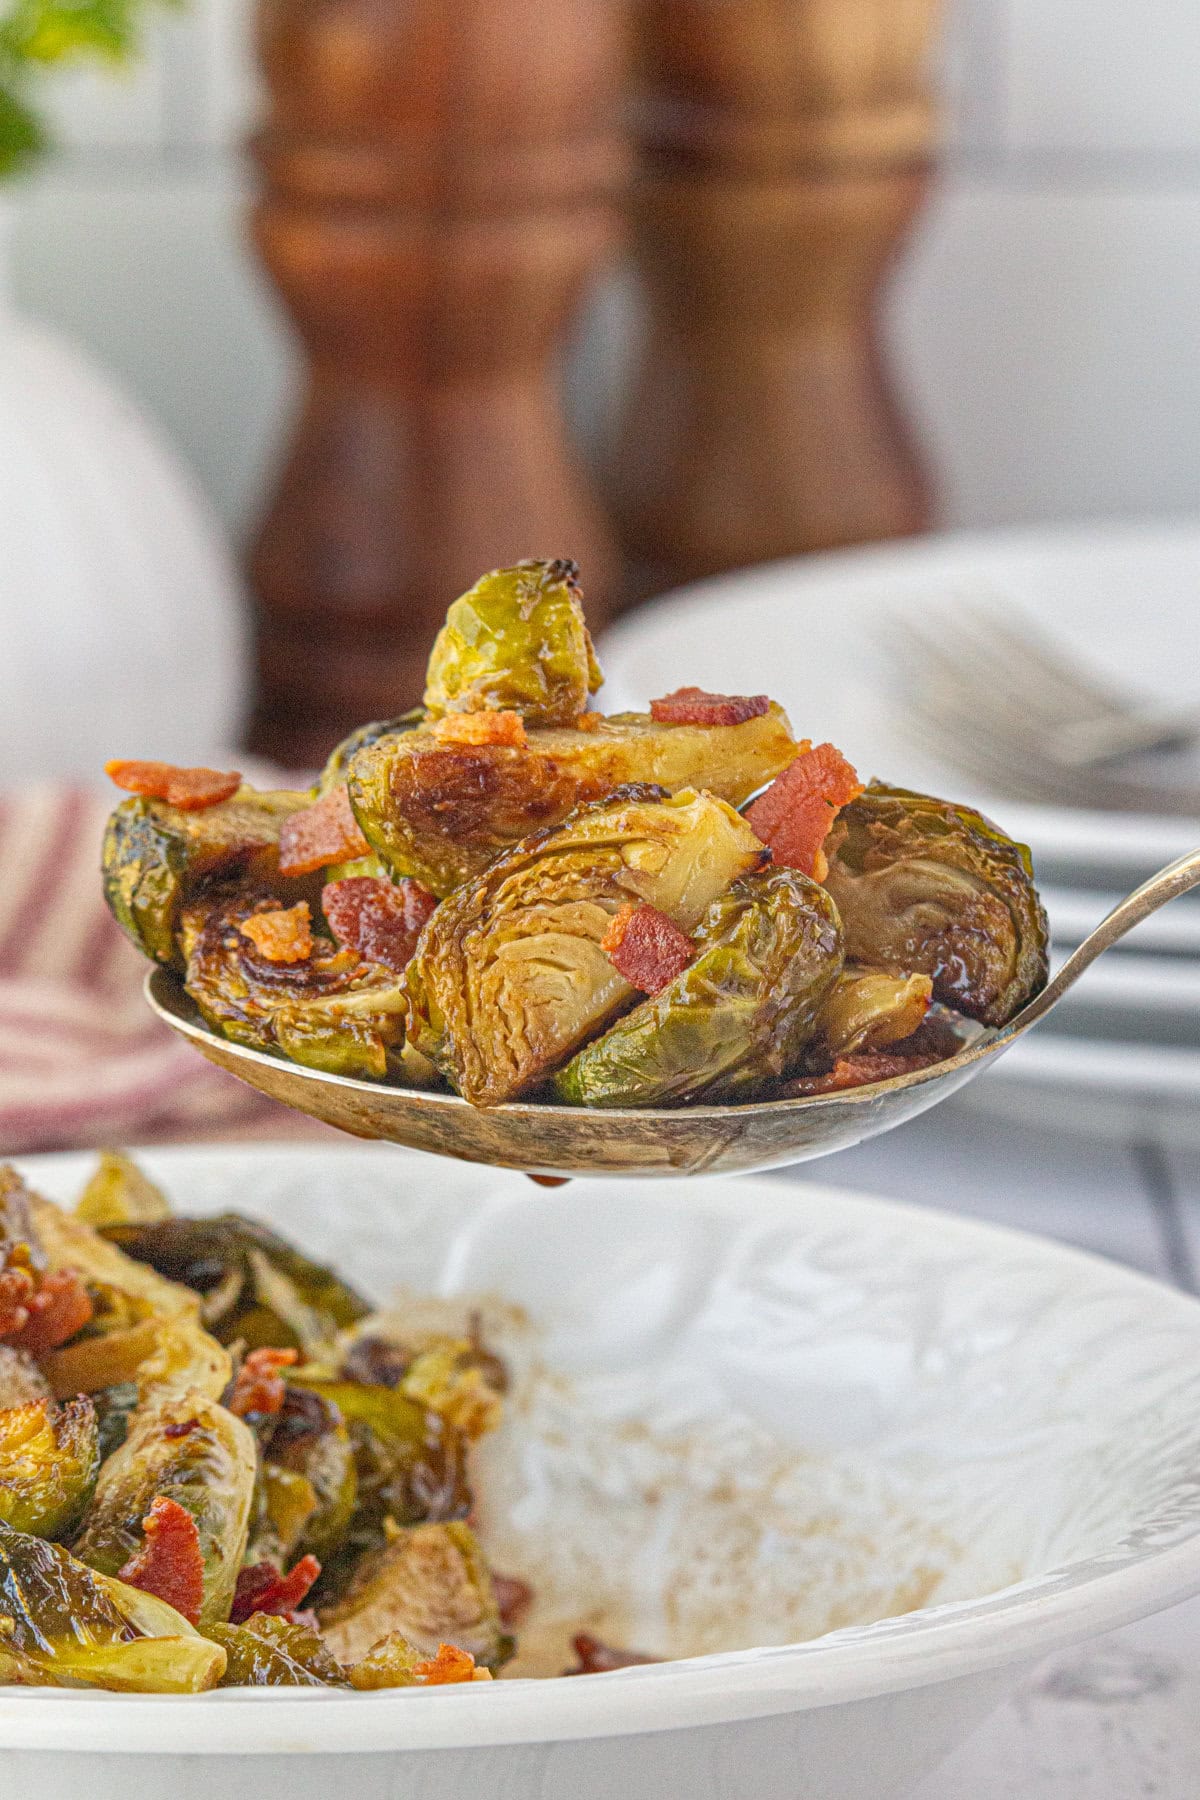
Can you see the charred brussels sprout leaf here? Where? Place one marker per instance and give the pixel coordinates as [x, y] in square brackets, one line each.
[119, 1193]
[441, 811]
[253, 1284]
[64, 1625]
[410, 1463]
[156, 858]
[516, 642]
[431, 1585]
[928, 888]
[867, 1010]
[509, 978]
[188, 1449]
[768, 952]
[329, 1011]
[308, 1481]
[271, 1652]
[49, 1458]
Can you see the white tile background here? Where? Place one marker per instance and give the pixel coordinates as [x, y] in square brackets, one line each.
[1044, 323]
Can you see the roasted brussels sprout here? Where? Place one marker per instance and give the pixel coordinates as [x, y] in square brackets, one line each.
[867, 1010]
[329, 1011]
[441, 811]
[516, 642]
[272, 1652]
[308, 1481]
[338, 766]
[64, 1625]
[49, 1458]
[768, 952]
[509, 978]
[156, 858]
[928, 888]
[119, 1193]
[431, 1585]
[254, 1286]
[189, 1449]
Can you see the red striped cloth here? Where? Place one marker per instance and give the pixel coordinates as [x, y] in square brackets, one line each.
[83, 1061]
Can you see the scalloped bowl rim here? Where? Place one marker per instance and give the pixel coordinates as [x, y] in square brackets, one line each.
[1012, 1625]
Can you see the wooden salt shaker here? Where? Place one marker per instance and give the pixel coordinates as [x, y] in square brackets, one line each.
[784, 149]
[439, 182]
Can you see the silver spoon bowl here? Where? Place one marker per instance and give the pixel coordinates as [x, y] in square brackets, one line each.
[686, 1140]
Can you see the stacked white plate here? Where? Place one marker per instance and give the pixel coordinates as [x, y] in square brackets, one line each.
[1122, 1052]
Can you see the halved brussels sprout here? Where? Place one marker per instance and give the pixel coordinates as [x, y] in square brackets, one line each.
[516, 642]
[925, 887]
[191, 1450]
[442, 810]
[768, 952]
[431, 1585]
[509, 978]
[119, 1193]
[330, 1011]
[157, 858]
[64, 1625]
[272, 1652]
[867, 1010]
[411, 1464]
[49, 1459]
[254, 1285]
[308, 1481]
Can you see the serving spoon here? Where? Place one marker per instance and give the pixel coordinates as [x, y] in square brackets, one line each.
[685, 1140]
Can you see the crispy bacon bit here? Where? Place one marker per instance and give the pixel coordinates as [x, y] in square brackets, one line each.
[259, 1387]
[692, 706]
[281, 936]
[513, 1598]
[794, 815]
[58, 1308]
[449, 1665]
[856, 1071]
[646, 947]
[170, 1562]
[379, 919]
[261, 1588]
[191, 790]
[181, 1429]
[596, 1658]
[326, 832]
[589, 721]
[506, 728]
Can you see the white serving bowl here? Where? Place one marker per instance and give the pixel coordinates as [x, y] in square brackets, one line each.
[743, 1413]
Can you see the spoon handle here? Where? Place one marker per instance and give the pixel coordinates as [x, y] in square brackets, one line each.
[1177, 878]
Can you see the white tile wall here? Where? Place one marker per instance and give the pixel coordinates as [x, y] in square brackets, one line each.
[1044, 323]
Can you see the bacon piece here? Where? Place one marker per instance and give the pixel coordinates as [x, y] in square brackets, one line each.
[191, 790]
[856, 1071]
[513, 1598]
[794, 815]
[692, 706]
[379, 919]
[326, 832]
[262, 1588]
[589, 721]
[646, 947]
[281, 936]
[60, 1307]
[259, 1387]
[449, 1665]
[170, 1563]
[482, 728]
[596, 1658]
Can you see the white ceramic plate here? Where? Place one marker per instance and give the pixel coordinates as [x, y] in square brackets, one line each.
[743, 1415]
[1124, 597]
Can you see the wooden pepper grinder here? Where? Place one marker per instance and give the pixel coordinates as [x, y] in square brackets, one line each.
[784, 149]
[439, 182]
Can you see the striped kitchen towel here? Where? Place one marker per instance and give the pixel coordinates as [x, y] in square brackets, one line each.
[83, 1061]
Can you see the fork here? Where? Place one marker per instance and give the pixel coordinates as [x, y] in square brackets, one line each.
[1009, 707]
